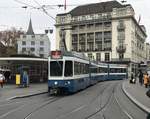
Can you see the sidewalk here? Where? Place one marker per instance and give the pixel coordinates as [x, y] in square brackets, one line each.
[137, 94]
[12, 91]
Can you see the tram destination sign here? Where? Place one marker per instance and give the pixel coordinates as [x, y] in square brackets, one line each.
[56, 54]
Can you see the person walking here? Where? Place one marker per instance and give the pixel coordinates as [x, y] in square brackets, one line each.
[25, 79]
[2, 79]
[140, 77]
[146, 79]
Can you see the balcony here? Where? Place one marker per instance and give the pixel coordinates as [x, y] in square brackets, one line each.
[117, 59]
[121, 48]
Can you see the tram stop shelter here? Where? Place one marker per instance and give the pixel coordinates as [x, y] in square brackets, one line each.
[36, 68]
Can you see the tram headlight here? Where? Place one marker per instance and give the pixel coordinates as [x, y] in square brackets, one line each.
[55, 82]
[68, 82]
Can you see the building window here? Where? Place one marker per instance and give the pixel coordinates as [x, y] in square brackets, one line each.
[41, 42]
[90, 41]
[82, 42]
[90, 46]
[98, 56]
[23, 49]
[41, 55]
[41, 49]
[42, 35]
[90, 26]
[33, 36]
[62, 19]
[32, 42]
[121, 56]
[24, 36]
[107, 57]
[23, 42]
[32, 49]
[90, 55]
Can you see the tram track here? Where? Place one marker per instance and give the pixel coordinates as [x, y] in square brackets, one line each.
[21, 104]
[107, 104]
[53, 99]
[84, 106]
[102, 107]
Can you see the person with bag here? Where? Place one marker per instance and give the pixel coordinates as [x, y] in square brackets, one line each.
[146, 80]
[2, 79]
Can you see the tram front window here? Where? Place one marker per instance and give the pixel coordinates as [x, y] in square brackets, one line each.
[68, 68]
[56, 68]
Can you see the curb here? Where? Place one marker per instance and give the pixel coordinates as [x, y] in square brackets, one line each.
[140, 105]
[25, 96]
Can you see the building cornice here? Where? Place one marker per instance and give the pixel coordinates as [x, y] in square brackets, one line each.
[134, 22]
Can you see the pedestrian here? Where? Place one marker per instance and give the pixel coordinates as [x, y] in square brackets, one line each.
[140, 77]
[25, 79]
[132, 80]
[2, 79]
[146, 79]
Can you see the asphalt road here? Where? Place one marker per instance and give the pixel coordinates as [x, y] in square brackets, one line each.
[105, 100]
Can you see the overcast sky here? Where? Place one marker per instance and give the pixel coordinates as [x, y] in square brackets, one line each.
[13, 15]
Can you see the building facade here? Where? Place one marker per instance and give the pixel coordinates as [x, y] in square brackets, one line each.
[2, 49]
[33, 44]
[147, 49]
[106, 31]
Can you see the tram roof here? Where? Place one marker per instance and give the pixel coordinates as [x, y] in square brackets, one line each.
[22, 59]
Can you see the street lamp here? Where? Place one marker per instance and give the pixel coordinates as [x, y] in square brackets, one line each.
[62, 33]
[62, 43]
[47, 31]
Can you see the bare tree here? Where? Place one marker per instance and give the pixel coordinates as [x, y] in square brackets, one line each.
[9, 39]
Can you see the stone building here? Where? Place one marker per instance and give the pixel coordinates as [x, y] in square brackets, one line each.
[105, 31]
[147, 48]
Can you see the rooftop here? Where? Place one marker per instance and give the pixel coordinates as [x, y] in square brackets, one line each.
[30, 29]
[101, 7]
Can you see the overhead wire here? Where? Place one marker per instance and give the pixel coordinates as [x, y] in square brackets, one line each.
[41, 8]
[44, 10]
[28, 5]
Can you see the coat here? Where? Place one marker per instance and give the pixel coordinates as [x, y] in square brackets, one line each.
[146, 79]
[2, 78]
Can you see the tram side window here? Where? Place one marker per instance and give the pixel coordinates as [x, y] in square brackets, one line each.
[76, 68]
[56, 68]
[68, 68]
[125, 71]
[104, 70]
[113, 70]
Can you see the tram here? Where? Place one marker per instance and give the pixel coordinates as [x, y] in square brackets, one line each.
[69, 72]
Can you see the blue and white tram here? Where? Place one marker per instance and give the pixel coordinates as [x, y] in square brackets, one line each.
[67, 73]
[117, 72]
